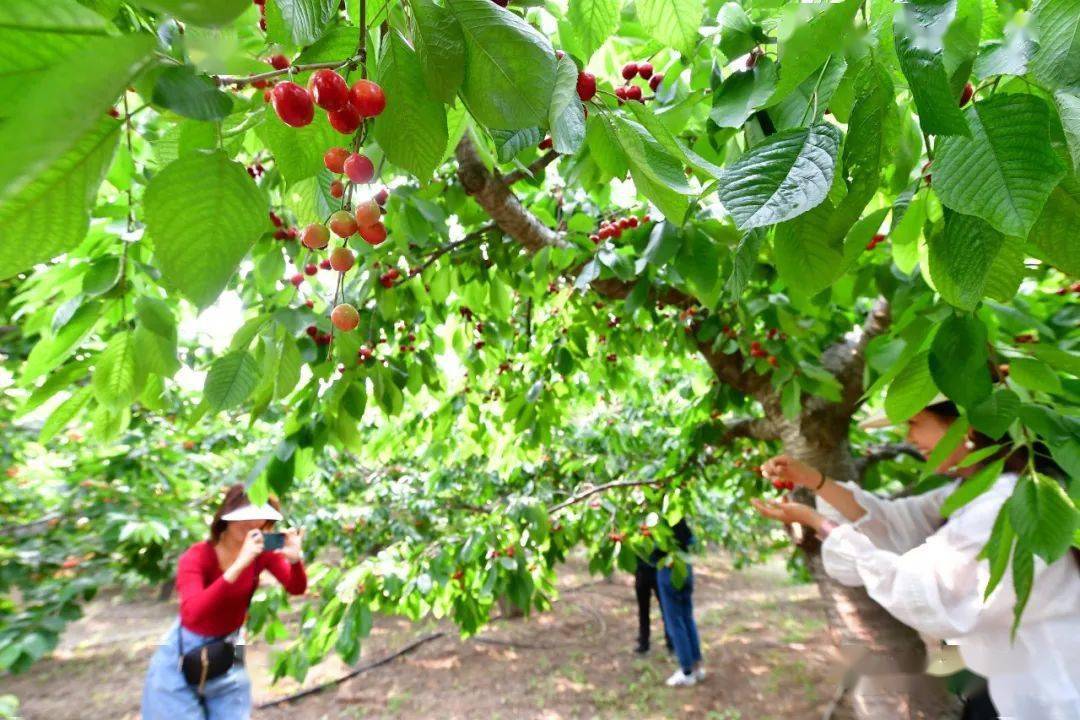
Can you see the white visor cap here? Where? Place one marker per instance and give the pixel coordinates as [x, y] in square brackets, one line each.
[253, 512]
[880, 420]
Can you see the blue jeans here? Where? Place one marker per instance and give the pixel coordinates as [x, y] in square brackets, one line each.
[167, 695]
[677, 605]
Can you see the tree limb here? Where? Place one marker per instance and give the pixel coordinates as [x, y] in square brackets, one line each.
[845, 359]
[755, 428]
[885, 452]
[534, 167]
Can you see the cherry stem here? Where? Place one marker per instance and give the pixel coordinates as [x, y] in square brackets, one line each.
[241, 80]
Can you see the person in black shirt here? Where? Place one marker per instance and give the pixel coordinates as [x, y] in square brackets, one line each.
[645, 585]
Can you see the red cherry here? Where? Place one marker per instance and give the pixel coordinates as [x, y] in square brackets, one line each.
[624, 223]
[633, 221]
[655, 80]
[368, 98]
[334, 159]
[965, 96]
[266, 96]
[559, 54]
[629, 70]
[382, 196]
[545, 144]
[275, 219]
[644, 70]
[368, 213]
[778, 484]
[359, 168]
[262, 24]
[341, 259]
[501, 3]
[279, 62]
[311, 330]
[595, 239]
[329, 90]
[374, 235]
[645, 218]
[345, 317]
[620, 92]
[297, 280]
[346, 120]
[315, 236]
[337, 189]
[343, 223]
[309, 303]
[586, 86]
[310, 269]
[293, 104]
[773, 361]
[633, 92]
[325, 265]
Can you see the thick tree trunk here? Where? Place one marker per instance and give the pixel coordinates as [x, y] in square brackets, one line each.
[885, 658]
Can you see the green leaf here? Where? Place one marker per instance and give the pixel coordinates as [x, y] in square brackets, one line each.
[155, 337]
[592, 22]
[115, 377]
[1068, 107]
[231, 379]
[912, 390]
[209, 13]
[674, 23]
[1057, 62]
[972, 488]
[698, 261]
[412, 129]
[203, 213]
[919, 35]
[1010, 56]
[1053, 233]
[657, 175]
[995, 414]
[49, 352]
[961, 258]
[440, 48]
[958, 360]
[508, 143]
[738, 33]
[998, 549]
[64, 413]
[604, 147]
[781, 178]
[566, 118]
[790, 403]
[298, 22]
[809, 33]
[509, 66]
[65, 156]
[742, 93]
[807, 103]
[186, 93]
[298, 152]
[1043, 516]
[685, 156]
[1006, 170]
[1034, 375]
[34, 36]
[288, 369]
[1023, 579]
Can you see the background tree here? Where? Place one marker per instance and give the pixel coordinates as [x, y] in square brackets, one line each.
[509, 227]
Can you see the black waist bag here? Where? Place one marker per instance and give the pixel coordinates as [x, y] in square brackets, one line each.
[207, 662]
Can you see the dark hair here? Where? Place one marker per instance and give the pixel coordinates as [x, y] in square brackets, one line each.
[1016, 458]
[235, 497]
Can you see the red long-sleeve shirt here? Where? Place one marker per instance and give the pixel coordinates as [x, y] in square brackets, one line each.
[210, 604]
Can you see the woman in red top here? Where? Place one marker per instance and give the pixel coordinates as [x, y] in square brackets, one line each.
[215, 580]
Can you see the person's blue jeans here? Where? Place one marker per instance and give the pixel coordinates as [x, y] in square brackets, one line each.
[677, 605]
[167, 695]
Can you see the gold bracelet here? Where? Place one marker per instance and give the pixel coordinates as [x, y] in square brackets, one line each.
[822, 483]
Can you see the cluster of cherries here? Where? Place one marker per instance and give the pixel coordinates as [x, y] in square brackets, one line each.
[756, 349]
[644, 70]
[614, 228]
[346, 107]
[318, 337]
[875, 241]
[282, 232]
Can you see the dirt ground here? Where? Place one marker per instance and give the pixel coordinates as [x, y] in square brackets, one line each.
[764, 640]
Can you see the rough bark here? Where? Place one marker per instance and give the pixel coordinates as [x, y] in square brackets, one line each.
[886, 657]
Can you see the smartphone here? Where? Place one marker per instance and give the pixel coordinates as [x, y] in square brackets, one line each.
[273, 540]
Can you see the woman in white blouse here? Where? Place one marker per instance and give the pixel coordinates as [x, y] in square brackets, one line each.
[926, 572]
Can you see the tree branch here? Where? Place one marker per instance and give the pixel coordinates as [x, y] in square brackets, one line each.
[534, 167]
[845, 359]
[885, 452]
[755, 428]
[241, 80]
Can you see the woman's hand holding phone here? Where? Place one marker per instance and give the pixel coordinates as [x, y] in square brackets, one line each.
[252, 547]
[292, 549]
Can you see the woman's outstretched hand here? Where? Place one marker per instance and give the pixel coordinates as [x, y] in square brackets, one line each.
[788, 470]
[789, 512]
[292, 548]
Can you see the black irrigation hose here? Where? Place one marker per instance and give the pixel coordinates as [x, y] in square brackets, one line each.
[360, 670]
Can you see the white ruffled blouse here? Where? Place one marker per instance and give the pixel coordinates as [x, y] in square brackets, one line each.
[928, 575]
